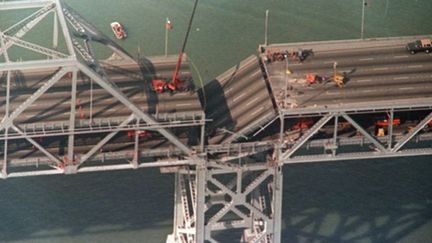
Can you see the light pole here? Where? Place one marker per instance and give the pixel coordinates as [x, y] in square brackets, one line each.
[168, 27]
[363, 18]
[266, 28]
[286, 79]
[386, 8]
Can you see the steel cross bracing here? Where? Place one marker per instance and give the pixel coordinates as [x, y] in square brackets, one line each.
[67, 65]
[208, 200]
[390, 145]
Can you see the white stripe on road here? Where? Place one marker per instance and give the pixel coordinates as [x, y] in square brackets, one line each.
[258, 110]
[228, 90]
[184, 104]
[381, 68]
[364, 80]
[238, 97]
[252, 101]
[398, 78]
[415, 66]
[403, 56]
[366, 59]
[253, 74]
[406, 88]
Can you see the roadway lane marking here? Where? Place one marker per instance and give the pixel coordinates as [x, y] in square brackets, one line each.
[255, 73]
[228, 90]
[184, 104]
[329, 62]
[182, 94]
[415, 66]
[364, 80]
[238, 97]
[398, 78]
[252, 101]
[406, 88]
[258, 110]
[368, 90]
[367, 59]
[403, 56]
[381, 68]
[332, 93]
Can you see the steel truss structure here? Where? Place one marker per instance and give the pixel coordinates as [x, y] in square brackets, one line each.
[218, 187]
[78, 58]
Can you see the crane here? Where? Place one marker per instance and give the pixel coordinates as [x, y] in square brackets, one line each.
[160, 85]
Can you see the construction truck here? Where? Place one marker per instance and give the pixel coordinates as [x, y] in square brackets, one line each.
[338, 78]
[160, 85]
[314, 78]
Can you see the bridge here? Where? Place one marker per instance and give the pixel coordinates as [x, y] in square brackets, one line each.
[66, 111]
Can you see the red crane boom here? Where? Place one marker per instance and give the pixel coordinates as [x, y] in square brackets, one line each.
[174, 81]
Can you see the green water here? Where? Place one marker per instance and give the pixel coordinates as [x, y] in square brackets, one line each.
[360, 201]
[226, 31]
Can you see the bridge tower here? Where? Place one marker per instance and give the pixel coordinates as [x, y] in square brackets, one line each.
[213, 200]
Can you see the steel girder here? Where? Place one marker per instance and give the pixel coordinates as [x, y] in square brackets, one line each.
[33, 47]
[37, 64]
[412, 133]
[25, 25]
[403, 105]
[3, 48]
[101, 125]
[384, 147]
[85, 29]
[367, 145]
[307, 135]
[14, 5]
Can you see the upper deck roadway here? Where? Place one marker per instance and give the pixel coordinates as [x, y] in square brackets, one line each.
[380, 73]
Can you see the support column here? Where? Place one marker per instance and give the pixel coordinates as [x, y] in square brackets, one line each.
[335, 135]
[277, 203]
[5, 153]
[136, 156]
[69, 163]
[55, 31]
[390, 130]
[277, 188]
[201, 184]
[178, 215]
[202, 137]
